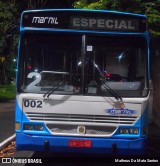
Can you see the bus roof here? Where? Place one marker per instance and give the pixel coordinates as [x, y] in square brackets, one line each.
[89, 10]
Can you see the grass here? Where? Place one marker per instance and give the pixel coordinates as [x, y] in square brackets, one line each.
[7, 92]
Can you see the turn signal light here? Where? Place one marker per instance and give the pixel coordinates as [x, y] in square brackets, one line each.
[17, 126]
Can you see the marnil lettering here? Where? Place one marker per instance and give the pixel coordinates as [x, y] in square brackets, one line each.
[43, 20]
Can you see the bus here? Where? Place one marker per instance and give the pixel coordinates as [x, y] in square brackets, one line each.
[82, 82]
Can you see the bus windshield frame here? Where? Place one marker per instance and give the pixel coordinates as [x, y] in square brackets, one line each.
[80, 61]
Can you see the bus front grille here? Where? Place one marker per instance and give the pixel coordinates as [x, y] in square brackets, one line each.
[81, 118]
[94, 125]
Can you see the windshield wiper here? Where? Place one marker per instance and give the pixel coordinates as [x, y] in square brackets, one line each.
[53, 89]
[107, 87]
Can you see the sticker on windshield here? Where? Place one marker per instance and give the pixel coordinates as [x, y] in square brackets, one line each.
[122, 111]
[89, 48]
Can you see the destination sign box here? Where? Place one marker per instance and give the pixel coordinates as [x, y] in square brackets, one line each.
[105, 24]
[84, 21]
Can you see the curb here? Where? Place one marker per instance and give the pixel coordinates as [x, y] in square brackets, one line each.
[7, 142]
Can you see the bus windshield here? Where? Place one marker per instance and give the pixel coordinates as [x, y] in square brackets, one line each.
[66, 64]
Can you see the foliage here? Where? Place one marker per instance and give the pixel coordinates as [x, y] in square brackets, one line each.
[90, 4]
[7, 92]
[7, 23]
[8, 39]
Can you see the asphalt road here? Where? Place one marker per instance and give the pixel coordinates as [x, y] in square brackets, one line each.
[7, 119]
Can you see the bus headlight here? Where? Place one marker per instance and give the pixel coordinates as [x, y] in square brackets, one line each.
[39, 127]
[36, 127]
[28, 127]
[124, 131]
[128, 131]
[134, 131]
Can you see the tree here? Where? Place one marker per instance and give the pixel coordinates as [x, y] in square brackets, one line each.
[42, 4]
[8, 39]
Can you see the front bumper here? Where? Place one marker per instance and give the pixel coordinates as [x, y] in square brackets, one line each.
[99, 145]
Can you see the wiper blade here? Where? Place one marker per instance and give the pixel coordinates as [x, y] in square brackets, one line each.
[117, 97]
[108, 88]
[53, 89]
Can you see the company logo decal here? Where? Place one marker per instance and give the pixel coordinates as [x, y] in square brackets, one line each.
[122, 111]
[43, 20]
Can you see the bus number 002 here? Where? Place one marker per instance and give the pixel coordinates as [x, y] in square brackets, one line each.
[33, 103]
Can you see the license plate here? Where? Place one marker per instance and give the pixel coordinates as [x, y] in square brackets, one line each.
[80, 143]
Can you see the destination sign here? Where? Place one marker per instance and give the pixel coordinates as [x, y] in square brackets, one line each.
[74, 20]
[107, 23]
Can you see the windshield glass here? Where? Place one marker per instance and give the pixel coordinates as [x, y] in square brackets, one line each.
[55, 61]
